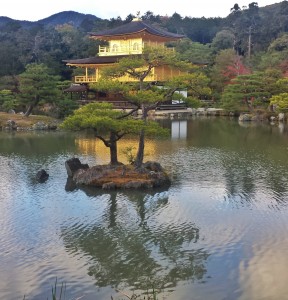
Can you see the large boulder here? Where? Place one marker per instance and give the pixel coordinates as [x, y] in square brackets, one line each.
[72, 165]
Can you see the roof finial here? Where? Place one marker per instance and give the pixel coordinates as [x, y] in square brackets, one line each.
[137, 17]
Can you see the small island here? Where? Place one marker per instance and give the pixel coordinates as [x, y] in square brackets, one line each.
[109, 177]
[109, 126]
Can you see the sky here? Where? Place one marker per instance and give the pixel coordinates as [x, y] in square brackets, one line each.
[33, 10]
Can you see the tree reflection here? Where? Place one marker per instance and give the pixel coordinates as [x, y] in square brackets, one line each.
[247, 177]
[137, 251]
[240, 179]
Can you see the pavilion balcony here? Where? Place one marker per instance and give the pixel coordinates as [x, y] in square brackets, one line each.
[85, 79]
[137, 48]
[92, 79]
[125, 50]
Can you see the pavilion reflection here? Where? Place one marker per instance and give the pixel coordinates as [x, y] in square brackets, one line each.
[97, 148]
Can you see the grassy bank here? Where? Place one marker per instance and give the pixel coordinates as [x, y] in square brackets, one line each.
[25, 122]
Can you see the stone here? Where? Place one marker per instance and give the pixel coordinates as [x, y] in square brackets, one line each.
[42, 176]
[281, 117]
[70, 185]
[109, 186]
[245, 118]
[40, 126]
[11, 125]
[152, 166]
[72, 165]
[52, 127]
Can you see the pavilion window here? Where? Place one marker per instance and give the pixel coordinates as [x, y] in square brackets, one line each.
[135, 46]
[115, 48]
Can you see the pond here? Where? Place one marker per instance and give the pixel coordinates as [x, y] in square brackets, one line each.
[218, 232]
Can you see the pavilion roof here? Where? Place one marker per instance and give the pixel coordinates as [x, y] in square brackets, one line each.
[95, 60]
[76, 88]
[134, 27]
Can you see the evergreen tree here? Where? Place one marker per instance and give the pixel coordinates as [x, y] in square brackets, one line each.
[109, 125]
[142, 93]
[250, 91]
[35, 85]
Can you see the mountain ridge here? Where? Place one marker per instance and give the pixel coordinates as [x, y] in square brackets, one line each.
[64, 17]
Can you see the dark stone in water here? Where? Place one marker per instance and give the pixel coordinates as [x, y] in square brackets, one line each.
[73, 165]
[42, 176]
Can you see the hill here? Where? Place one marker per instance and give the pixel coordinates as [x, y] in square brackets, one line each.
[71, 17]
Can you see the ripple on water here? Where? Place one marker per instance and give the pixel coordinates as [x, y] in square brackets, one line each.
[221, 225]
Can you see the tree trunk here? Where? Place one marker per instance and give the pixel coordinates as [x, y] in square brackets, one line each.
[31, 106]
[249, 42]
[140, 152]
[113, 149]
[141, 145]
[29, 110]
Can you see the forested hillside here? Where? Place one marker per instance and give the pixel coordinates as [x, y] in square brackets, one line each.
[250, 39]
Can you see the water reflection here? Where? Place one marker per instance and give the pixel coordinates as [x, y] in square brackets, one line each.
[219, 231]
[129, 247]
[178, 129]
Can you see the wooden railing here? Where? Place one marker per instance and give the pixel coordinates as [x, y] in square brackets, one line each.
[91, 79]
[126, 50]
[85, 79]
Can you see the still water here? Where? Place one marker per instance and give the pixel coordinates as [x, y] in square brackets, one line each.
[219, 232]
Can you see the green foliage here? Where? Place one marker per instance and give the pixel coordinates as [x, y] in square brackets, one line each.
[112, 86]
[194, 52]
[197, 84]
[193, 102]
[10, 104]
[61, 294]
[252, 90]
[280, 102]
[109, 125]
[37, 84]
[102, 118]
[279, 44]
[129, 153]
[65, 107]
[5, 95]
[224, 39]
[8, 100]
[282, 85]
[146, 97]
